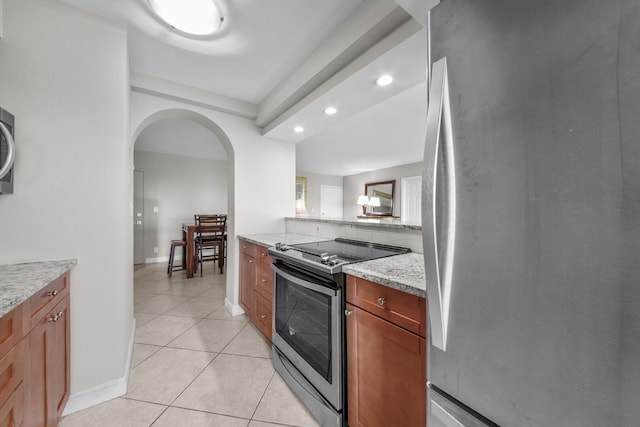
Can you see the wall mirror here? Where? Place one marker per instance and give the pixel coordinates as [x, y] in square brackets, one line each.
[380, 196]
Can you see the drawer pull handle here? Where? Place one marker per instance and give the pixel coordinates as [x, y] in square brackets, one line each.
[264, 316]
[250, 261]
[264, 280]
[52, 293]
[348, 313]
[382, 301]
[55, 317]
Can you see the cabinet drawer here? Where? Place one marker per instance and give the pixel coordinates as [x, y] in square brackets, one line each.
[44, 300]
[264, 280]
[403, 309]
[263, 255]
[248, 248]
[11, 370]
[262, 314]
[12, 411]
[11, 330]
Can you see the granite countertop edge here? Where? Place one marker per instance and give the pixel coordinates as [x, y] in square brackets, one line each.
[270, 239]
[372, 222]
[403, 272]
[20, 281]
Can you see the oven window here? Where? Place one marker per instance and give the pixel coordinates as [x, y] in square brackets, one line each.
[303, 320]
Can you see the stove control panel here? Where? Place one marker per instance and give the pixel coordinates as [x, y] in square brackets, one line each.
[329, 260]
[282, 247]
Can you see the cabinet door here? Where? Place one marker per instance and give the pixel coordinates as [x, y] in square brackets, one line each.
[12, 411]
[263, 314]
[386, 373]
[58, 377]
[47, 373]
[247, 282]
[264, 280]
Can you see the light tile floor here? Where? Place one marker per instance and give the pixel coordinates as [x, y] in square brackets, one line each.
[194, 364]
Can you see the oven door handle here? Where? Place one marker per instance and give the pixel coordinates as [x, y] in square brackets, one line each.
[304, 283]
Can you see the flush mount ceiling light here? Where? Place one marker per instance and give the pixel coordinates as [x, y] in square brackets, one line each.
[330, 111]
[192, 17]
[384, 80]
[298, 129]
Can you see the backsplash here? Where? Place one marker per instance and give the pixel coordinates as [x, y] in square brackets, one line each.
[386, 233]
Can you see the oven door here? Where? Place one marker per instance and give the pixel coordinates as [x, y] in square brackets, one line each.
[307, 328]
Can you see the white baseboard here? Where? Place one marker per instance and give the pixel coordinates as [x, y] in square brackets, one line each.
[105, 391]
[234, 309]
[160, 259]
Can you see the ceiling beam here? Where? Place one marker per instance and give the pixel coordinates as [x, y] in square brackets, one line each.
[366, 26]
[145, 83]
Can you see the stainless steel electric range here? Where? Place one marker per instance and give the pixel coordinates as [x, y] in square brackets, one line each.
[308, 320]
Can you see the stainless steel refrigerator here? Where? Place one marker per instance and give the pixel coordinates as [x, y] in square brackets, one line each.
[531, 213]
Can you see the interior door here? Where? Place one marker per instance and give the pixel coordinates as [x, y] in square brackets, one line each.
[138, 217]
[411, 200]
[330, 201]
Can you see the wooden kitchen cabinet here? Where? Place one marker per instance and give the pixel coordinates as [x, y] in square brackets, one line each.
[47, 371]
[34, 358]
[386, 356]
[247, 282]
[12, 353]
[256, 285]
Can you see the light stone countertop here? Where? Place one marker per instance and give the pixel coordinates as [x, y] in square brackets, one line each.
[404, 272]
[18, 282]
[372, 222]
[286, 238]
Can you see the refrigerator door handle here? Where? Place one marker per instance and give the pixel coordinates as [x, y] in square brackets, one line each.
[439, 260]
[11, 151]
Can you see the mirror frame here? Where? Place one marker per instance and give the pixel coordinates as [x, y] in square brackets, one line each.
[368, 211]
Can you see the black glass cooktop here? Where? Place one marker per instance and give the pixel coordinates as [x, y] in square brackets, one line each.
[349, 250]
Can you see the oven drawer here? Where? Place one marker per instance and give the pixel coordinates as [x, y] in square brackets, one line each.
[248, 248]
[403, 309]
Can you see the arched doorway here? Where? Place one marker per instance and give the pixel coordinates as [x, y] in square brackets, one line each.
[180, 170]
[221, 136]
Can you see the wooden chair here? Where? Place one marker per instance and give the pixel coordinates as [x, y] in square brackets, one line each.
[210, 239]
[171, 268]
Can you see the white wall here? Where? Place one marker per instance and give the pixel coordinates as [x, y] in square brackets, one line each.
[314, 181]
[261, 171]
[354, 186]
[180, 187]
[64, 75]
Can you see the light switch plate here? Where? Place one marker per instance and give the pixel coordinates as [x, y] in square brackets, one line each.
[155, 209]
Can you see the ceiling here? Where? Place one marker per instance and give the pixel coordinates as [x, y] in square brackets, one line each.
[262, 49]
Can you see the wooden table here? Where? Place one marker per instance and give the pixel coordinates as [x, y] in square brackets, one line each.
[188, 232]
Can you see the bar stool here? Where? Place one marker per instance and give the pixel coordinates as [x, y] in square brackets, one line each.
[171, 268]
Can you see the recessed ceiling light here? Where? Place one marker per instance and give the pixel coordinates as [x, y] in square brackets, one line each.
[193, 17]
[330, 111]
[298, 129]
[384, 80]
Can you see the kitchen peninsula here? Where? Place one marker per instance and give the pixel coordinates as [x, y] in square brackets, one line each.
[385, 231]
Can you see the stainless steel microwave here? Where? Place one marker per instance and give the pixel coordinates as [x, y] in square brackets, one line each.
[7, 151]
